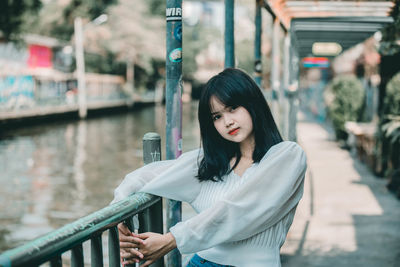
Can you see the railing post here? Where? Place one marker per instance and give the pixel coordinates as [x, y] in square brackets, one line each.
[113, 247]
[77, 256]
[151, 220]
[56, 261]
[96, 251]
[129, 223]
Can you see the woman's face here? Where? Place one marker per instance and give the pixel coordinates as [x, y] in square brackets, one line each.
[232, 123]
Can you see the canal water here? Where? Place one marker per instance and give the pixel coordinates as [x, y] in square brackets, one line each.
[53, 174]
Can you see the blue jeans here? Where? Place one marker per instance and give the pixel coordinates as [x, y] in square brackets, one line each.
[197, 261]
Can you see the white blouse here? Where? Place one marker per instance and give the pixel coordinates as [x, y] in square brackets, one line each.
[241, 221]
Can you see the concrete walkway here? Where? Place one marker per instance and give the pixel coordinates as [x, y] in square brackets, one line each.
[346, 217]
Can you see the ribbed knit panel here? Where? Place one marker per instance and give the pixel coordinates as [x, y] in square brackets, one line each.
[211, 192]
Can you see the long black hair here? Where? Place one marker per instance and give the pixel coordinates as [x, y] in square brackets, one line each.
[233, 88]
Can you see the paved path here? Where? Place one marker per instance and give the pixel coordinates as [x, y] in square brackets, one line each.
[346, 217]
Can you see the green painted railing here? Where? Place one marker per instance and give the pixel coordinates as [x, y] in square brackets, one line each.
[51, 246]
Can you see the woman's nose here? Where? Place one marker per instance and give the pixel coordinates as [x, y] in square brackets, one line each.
[228, 121]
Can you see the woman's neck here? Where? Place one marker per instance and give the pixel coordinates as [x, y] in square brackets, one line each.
[247, 148]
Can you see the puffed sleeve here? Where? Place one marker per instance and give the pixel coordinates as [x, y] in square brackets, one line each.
[274, 189]
[174, 179]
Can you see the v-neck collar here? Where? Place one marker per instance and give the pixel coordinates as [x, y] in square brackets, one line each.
[243, 174]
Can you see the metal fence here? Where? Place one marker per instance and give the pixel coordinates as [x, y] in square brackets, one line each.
[50, 247]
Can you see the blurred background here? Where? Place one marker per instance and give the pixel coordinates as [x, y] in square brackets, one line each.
[55, 168]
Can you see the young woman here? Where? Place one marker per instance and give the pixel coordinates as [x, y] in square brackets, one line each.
[245, 184]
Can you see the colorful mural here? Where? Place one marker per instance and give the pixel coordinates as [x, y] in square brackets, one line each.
[17, 91]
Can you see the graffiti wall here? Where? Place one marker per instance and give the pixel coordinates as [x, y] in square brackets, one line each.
[16, 91]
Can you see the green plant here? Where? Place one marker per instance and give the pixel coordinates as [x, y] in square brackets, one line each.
[344, 97]
[392, 97]
[389, 139]
[390, 123]
[391, 129]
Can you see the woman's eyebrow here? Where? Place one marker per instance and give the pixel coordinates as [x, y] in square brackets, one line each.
[218, 111]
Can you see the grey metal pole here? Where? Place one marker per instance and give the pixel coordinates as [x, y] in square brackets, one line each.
[293, 108]
[80, 67]
[257, 44]
[174, 107]
[229, 34]
[294, 104]
[285, 87]
[275, 84]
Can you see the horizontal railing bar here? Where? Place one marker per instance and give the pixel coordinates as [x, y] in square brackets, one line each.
[58, 241]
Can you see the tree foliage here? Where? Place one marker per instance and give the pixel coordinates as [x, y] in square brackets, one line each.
[391, 33]
[12, 16]
[157, 7]
[63, 27]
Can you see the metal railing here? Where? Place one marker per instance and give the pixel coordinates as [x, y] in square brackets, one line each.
[50, 247]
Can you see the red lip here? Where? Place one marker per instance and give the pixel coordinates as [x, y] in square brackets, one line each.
[234, 131]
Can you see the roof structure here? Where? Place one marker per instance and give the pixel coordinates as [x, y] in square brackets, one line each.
[346, 23]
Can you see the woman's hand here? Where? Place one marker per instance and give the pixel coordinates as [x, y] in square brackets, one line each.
[128, 243]
[155, 246]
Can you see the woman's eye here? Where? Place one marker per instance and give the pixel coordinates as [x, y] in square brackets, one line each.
[216, 117]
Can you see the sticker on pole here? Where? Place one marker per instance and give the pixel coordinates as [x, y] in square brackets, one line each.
[174, 14]
[178, 32]
[258, 66]
[175, 55]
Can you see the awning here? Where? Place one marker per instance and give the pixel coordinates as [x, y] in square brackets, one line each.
[346, 23]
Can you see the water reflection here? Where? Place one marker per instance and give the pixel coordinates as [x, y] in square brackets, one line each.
[51, 175]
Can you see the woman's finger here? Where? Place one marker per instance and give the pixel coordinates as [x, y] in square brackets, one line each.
[147, 263]
[128, 245]
[136, 253]
[125, 255]
[129, 255]
[123, 229]
[125, 261]
[132, 253]
[141, 236]
[131, 239]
